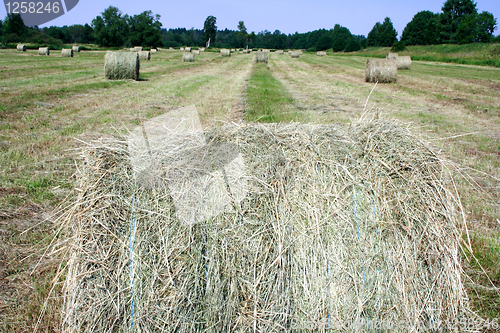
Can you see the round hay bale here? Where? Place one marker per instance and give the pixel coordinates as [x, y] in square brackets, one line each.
[21, 47]
[225, 53]
[233, 50]
[158, 49]
[261, 56]
[355, 222]
[137, 48]
[187, 49]
[153, 51]
[280, 52]
[381, 70]
[295, 54]
[181, 49]
[67, 53]
[76, 48]
[321, 53]
[43, 51]
[391, 55]
[188, 57]
[195, 52]
[121, 66]
[202, 49]
[404, 62]
[144, 55]
[171, 48]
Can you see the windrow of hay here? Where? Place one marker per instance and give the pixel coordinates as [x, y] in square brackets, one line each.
[331, 224]
[144, 55]
[381, 70]
[67, 53]
[295, 54]
[188, 57]
[391, 55]
[321, 53]
[225, 53]
[121, 65]
[404, 62]
[43, 51]
[261, 56]
[75, 48]
[21, 47]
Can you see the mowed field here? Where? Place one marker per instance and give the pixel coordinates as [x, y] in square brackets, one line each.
[50, 106]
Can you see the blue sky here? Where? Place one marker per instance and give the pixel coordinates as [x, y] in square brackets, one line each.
[288, 16]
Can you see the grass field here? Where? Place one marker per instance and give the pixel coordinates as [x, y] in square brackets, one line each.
[50, 105]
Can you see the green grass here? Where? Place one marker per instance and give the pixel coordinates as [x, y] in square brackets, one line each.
[267, 99]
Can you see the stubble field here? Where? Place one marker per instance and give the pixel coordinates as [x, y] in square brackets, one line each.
[51, 105]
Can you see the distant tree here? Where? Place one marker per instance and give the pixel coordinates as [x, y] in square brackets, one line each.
[387, 35]
[145, 29]
[467, 30]
[278, 40]
[341, 36]
[210, 29]
[416, 30]
[486, 25]
[324, 43]
[110, 29]
[1, 28]
[454, 11]
[242, 32]
[352, 46]
[13, 28]
[398, 46]
[372, 39]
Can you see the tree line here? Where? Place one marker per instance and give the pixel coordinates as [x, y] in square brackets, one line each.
[459, 22]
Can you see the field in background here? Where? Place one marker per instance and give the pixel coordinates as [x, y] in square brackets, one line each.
[51, 105]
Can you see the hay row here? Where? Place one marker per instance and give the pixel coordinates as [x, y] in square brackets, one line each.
[21, 47]
[326, 223]
[67, 53]
[43, 51]
[381, 70]
[121, 65]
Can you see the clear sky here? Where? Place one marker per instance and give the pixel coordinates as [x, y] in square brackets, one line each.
[288, 16]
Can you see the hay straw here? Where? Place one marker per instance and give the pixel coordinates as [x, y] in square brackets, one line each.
[43, 51]
[225, 53]
[261, 56]
[21, 47]
[144, 55]
[121, 66]
[381, 70]
[339, 224]
[76, 48]
[404, 62]
[188, 57]
[67, 53]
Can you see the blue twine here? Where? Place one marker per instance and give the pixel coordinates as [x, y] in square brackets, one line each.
[132, 247]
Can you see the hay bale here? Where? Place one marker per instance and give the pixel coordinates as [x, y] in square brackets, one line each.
[188, 57]
[295, 54]
[43, 51]
[75, 48]
[144, 55]
[153, 51]
[121, 65]
[137, 48]
[391, 55]
[171, 48]
[381, 70]
[233, 50]
[21, 47]
[266, 50]
[280, 52]
[404, 62]
[336, 224]
[225, 53]
[321, 53]
[187, 49]
[67, 53]
[202, 49]
[181, 49]
[158, 49]
[196, 52]
[261, 56]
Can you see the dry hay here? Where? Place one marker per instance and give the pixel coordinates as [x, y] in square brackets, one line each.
[75, 48]
[266, 50]
[261, 56]
[295, 54]
[153, 51]
[391, 55]
[321, 53]
[43, 51]
[196, 52]
[158, 49]
[225, 53]
[137, 48]
[404, 62]
[202, 49]
[171, 48]
[233, 50]
[187, 49]
[279, 52]
[325, 224]
[188, 57]
[121, 66]
[67, 53]
[21, 47]
[144, 55]
[381, 70]
[181, 49]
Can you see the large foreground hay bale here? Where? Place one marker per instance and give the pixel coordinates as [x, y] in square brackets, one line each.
[295, 54]
[144, 55]
[67, 53]
[381, 70]
[75, 48]
[404, 62]
[21, 47]
[43, 51]
[188, 57]
[321, 53]
[391, 55]
[261, 56]
[225, 53]
[326, 224]
[121, 66]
